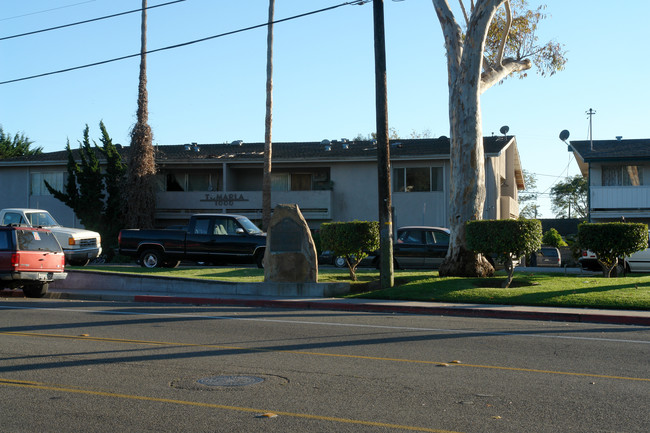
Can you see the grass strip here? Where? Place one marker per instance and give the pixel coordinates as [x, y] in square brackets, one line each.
[631, 292]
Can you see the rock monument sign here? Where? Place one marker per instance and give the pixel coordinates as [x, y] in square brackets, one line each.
[290, 255]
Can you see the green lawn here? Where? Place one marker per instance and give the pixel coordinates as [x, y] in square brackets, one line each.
[548, 289]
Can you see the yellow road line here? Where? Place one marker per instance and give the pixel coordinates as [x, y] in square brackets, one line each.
[37, 385]
[333, 355]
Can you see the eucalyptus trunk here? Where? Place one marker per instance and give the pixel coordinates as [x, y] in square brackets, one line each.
[268, 148]
[469, 75]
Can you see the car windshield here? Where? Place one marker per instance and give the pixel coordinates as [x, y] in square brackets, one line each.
[41, 219]
[249, 226]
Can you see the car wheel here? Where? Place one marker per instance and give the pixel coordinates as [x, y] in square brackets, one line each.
[151, 259]
[171, 263]
[340, 262]
[259, 259]
[35, 290]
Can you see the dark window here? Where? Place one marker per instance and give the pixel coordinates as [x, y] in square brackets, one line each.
[13, 218]
[300, 182]
[417, 179]
[410, 237]
[5, 240]
[37, 241]
[435, 237]
[201, 226]
[622, 175]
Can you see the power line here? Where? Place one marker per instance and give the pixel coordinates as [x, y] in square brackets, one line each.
[46, 10]
[87, 21]
[169, 47]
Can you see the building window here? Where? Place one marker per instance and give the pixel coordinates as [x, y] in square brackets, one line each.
[193, 181]
[279, 181]
[291, 181]
[300, 182]
[55, 179]
[622, 175]
[417, 179]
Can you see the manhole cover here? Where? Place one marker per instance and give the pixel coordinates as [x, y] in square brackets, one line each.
[230, 380]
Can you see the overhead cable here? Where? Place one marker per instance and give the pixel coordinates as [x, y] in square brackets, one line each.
[60, 71]
[86, 21]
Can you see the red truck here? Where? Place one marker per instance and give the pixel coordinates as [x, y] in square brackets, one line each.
[30, 258]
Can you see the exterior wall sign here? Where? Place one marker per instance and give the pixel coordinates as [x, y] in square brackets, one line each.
[223, 199]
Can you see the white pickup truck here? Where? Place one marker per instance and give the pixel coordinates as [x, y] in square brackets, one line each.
[79, 246]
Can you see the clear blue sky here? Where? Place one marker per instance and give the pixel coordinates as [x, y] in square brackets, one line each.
[214, 91]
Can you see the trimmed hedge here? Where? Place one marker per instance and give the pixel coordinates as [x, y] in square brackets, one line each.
[506, 240]
[503, 237]
[352, 240]
[610, 241]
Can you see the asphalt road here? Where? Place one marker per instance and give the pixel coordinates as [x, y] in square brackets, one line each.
[73, 366]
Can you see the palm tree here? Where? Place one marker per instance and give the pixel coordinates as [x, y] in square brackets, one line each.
[140, 203]
[266, 181]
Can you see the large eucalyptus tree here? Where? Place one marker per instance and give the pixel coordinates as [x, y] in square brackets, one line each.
[498, 39]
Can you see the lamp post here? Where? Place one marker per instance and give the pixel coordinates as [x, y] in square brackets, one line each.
[383, 150]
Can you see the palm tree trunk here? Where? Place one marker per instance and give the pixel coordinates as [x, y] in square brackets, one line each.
[266, 181]
[141, 204]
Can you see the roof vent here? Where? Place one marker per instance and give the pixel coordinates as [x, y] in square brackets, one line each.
[237, 143]
[188, 146]
[345, 145]
[396, 144]
[195, 147]
[619, 137]
[325, 142]
[328, 147]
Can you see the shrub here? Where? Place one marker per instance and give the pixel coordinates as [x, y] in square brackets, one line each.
[610, 241]
[553, 239]
[504, 239]
[352, 240]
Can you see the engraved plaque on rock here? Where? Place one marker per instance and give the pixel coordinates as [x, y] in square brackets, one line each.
[286, 237]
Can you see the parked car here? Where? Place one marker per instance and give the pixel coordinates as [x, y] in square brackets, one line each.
[30, 258]
[588, 260]
[546, 257]
[419, 247]
[638, 262]
[80, 246]
[209, 238]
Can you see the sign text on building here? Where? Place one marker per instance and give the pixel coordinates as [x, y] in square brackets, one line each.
[224, 199]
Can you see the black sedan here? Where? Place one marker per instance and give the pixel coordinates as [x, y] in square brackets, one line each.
[420, 247]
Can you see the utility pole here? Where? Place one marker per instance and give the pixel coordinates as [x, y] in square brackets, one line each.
[383, 151]
[591, 113]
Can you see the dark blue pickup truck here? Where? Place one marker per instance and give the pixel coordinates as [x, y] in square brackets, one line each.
[209, 238]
